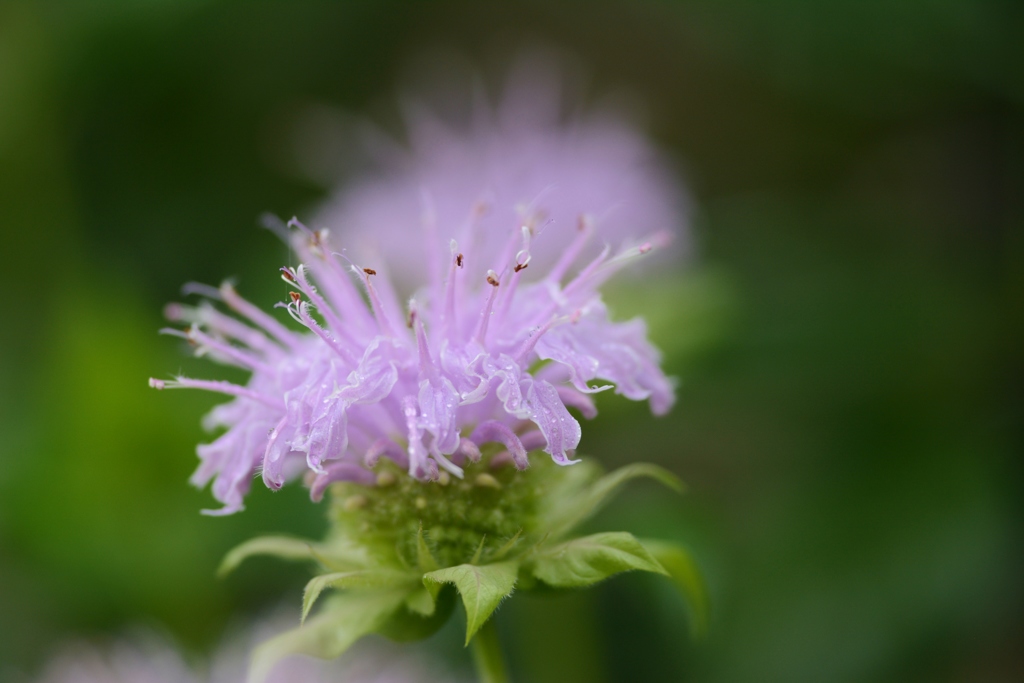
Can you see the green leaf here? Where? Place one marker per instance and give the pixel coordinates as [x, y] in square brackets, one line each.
[278, 546]
[482, 588]
[479, 551]
[421, 602]
[346, 618]
[570, 511]
[509, 544]
[369, 578]
[408, 624]
[336, 554]
[585, 561]
[687, 578]
[424, 557]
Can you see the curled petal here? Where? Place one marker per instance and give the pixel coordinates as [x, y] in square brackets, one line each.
[388, 448]
[492, 430]
[338, 471]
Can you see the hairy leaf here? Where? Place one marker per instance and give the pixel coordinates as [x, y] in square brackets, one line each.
[424, 557]
[346, 618]
[687, 577]
[589, 559]
[368, 578]
[334, 555]
[572, 510]
[482, 588]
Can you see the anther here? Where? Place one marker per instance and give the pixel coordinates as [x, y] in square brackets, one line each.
[458, 260]
[296, 297]
[287, 274]
[521, 266]
[492, 278]
[369, 271]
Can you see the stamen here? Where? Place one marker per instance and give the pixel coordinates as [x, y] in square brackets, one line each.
[225, 325]
[569, 256]
[427, 366]
[300, 313]
[480, 335]
[378, 309]
[219, 386]
[448, 323]
[227, 352]
[256, 315]
[334, 321]
[209, 291]
[340, 290]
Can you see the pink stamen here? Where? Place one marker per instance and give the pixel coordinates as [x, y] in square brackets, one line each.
[383, 323]
[570, 255]
[218, 386]
[246, 309]
[226, 352]
[300, 312]
[480, 335]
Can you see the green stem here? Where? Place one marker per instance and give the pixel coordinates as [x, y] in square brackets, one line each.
[490, 665]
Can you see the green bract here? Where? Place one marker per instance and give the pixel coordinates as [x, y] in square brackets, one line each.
[397, 553]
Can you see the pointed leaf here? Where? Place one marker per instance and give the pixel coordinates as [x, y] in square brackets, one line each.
[687, 577]
[346, 618]
[370, 578]
[589, 559]
[424, 557]
[479, 551]
[278, 546]
[572, 510]
[336, 554]
[509, 544]
[482, 588]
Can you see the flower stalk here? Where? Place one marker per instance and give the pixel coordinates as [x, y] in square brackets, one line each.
[487, 656]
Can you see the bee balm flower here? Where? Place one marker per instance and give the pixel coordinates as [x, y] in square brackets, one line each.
[504, 333]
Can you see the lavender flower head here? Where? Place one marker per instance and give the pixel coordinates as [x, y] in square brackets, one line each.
[526, 160]
[504, 334]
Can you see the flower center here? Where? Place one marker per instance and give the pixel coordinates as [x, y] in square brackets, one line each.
[461, 521]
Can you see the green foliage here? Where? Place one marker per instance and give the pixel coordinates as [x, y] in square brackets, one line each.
[687, 577]
[583, 499]
[585, 561]
[366, 579]
[482, 589]
[345, 619]
[393, 549]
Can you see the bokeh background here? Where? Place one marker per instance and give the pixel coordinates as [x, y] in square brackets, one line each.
[848, 331]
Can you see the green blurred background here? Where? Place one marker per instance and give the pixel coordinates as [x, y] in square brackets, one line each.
[848, 335]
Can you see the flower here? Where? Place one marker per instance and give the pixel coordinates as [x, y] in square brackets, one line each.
[505, 333]
[532, 158]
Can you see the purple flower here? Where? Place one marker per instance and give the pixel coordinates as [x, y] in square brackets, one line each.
[506, 333]
[531, 158]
